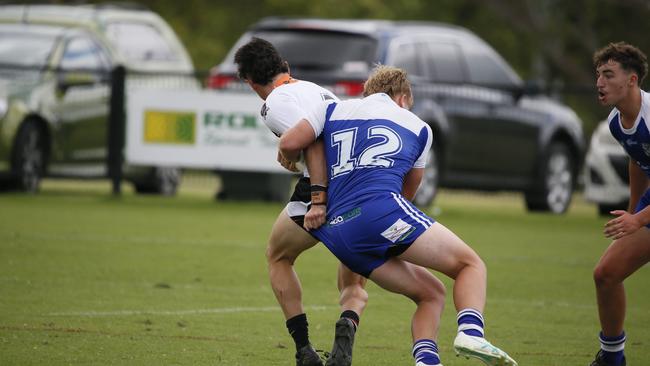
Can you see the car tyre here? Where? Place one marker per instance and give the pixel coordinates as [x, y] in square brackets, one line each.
[29, 157]
[555, 181]
[162, 181]
[430, 180]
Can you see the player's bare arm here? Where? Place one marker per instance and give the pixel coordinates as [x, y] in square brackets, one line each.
[316, 166]
[295, 139]
[412, 183]
[627, 222]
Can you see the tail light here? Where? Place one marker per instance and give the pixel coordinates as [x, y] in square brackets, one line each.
[221, 81]
[348, 88]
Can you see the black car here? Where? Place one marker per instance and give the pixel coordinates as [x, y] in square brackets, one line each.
[488, 133]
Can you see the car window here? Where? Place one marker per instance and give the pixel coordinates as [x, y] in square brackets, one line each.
[485, 68]
[25, 48]
[82, 53]
[406, 58]
[442, 62]
[309, 49]
[138, 42]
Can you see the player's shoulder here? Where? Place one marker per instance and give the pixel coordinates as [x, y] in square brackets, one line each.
[645, 106]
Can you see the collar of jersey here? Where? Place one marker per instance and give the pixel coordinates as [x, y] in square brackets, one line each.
[283, 80]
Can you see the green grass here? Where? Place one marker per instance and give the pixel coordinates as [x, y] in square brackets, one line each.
[86, 278]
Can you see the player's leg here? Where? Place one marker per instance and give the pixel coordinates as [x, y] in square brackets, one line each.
[353, 296]
[623, 257]
[427, 292]
[353, 299]
[286, 242]
[440, 249]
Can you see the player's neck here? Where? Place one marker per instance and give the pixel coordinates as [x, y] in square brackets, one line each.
[629, 108]
[280, 79]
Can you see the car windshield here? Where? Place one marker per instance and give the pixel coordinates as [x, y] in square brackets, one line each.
[138, 42]
[25, 49]
[314, 49]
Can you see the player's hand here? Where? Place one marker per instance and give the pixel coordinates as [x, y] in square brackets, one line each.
[624, 224]
[315, 217]
[288, 165]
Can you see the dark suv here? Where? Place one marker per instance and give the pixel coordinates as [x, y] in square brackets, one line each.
[488, 134]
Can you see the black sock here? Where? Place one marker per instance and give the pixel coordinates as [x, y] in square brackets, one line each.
[297, 327]
[352, 316]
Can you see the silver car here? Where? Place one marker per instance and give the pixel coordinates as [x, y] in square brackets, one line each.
[55, 64]
[606, 172]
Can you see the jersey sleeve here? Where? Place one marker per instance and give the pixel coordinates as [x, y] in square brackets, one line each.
[425, 139]
[317, 116]
[283, 112]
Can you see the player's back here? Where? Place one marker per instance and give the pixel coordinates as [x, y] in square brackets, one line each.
[370, 145]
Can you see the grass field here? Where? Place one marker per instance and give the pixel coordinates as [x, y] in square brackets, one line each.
[88, 279]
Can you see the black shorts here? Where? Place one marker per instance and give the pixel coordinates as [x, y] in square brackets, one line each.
[300, 201]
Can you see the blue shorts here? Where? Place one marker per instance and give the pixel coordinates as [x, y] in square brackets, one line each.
[643, 203]
[364, 237]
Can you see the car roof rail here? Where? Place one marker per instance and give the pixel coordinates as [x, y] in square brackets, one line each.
[126, 5]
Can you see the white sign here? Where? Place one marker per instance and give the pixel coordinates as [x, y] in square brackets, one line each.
[199, 129]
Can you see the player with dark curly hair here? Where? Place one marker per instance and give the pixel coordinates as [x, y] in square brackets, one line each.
[620, 69]
[286, 102]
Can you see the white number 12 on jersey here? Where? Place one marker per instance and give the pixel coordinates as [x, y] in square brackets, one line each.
[374, 156]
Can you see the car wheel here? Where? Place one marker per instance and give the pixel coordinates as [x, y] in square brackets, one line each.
[28, 164]
[555, 182]
[429, 186]
[163, 181]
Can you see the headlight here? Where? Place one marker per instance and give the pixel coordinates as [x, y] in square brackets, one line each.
[605, 137]
[3, 107]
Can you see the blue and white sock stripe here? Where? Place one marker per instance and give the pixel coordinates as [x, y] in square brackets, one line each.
[424, 343]
[612, 344]
[462, 327]
[425, 348]
[470, 312]
[416, 215]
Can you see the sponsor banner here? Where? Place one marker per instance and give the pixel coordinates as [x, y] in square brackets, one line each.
[199, 129]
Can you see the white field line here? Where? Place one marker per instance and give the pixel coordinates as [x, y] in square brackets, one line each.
[92, 314]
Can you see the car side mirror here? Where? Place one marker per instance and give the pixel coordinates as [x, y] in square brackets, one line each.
[69, 79]
[530, 87]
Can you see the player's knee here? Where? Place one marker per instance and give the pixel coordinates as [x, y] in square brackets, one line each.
[276, 255]
[605, 274]
[434, 291]
[470, 260]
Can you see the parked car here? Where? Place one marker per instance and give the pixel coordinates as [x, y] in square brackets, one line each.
[488, 134]
[606, 172]
[55, 64]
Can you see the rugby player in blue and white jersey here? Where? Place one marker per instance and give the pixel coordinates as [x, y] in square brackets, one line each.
[620, 69]
[376, 151]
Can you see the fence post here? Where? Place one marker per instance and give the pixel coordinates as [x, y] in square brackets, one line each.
[116, 127]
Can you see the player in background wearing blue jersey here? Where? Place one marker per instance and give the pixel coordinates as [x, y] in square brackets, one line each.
[375, 150]
[620, 69]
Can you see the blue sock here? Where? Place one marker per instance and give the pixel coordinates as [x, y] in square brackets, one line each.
[426, 351]
[470, 322]
[612, 348]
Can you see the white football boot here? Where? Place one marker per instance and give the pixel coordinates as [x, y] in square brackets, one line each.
[478, 347]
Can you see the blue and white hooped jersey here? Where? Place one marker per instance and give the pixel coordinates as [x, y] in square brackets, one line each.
[372, 151]
[636, 140]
